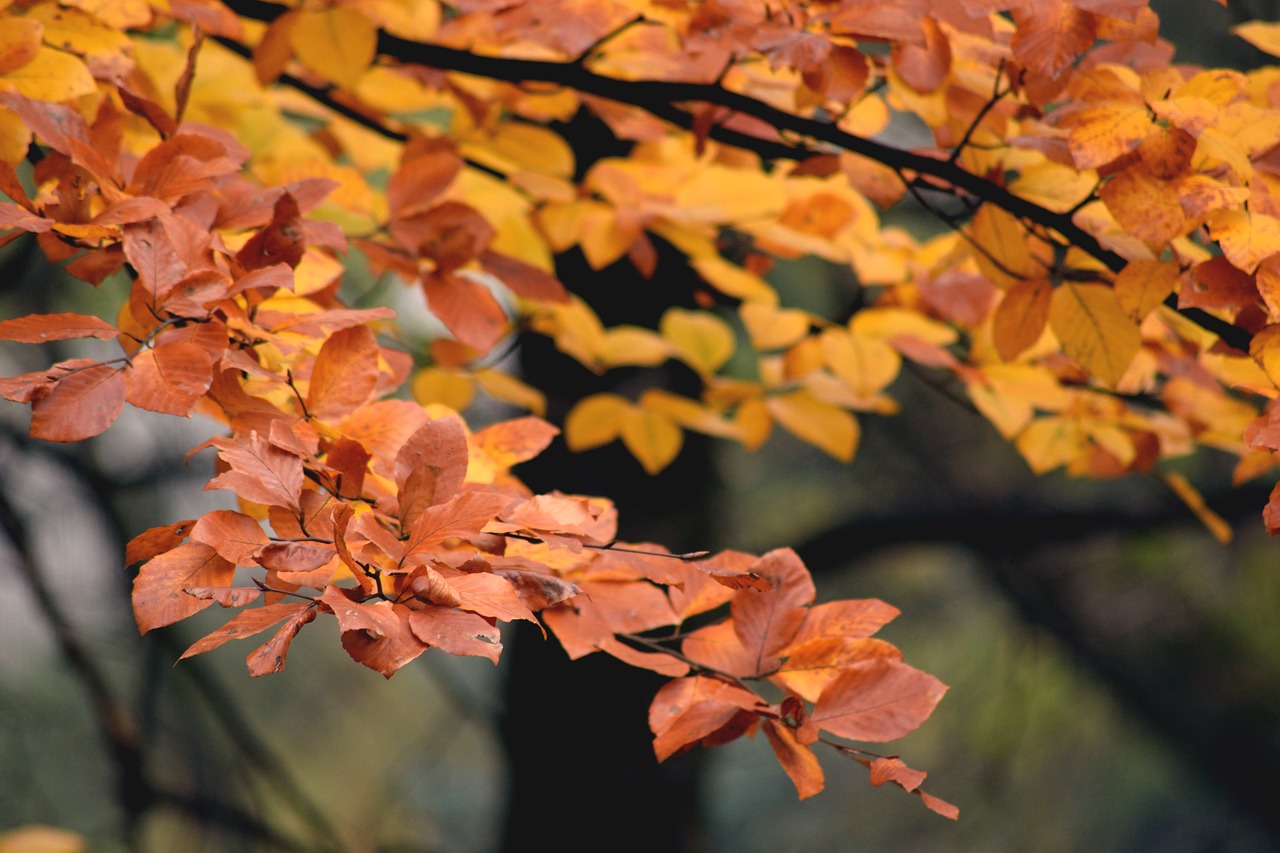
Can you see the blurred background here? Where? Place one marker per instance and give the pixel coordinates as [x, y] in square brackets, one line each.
[1114, 671]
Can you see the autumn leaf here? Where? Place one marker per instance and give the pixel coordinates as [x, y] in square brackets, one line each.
[159, 596]
[1094, 330]
[81, 404]
[876, 700]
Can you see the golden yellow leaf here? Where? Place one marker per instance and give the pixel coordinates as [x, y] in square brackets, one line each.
[15, 137]
[866, 365]
[700, 339]
[79, 32]
[689, 414]
[416, 20]
[1006, 257]
[753, 423]
[828, 428]
[1055, 186]
[51, 76]
[453, 388]
[1050, 443]
[733, 280]
[889, 322]
[1246, 237]
[773, 328]
[1264, 35]
[337, 43]
[652, 437]
[595, 421]
[1190, 495]
[1008, 395]
[514, 147]
[1094, 330]
[508, 389]
[1143, 285]
[633, 345]
[1020, 318]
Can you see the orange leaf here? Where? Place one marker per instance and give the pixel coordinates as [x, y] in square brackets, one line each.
[159, 598]
[157, 540]
[1148, 207]
[39, 328]
[467, 308]
[80, 405]
[1143, 285]
[345, 374]
[796, 758]
[456, 632]
[430, 467]
[269, 657]
[246, 623]
[767, 622]
[259, 471]
[1020, 317]
[1051, 34]
[894, 770]
[234, 535]
[169, 378]
[876, 700]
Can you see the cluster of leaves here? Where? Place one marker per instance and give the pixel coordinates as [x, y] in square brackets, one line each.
[1106, 293]
[386, 513]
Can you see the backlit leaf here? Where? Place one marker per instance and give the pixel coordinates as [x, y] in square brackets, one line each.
[877, 700]
[1094, 329]
[337, 43]
[823, 425]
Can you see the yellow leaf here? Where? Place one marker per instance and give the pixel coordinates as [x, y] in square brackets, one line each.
[1245, 237]
[1216, 524]
[1145, 205]
[826, 427]
[1006, 257]
[753, 423]
[633, 345]
[1142, 285]
[453, 388]
[1263, 35]
[1094, 330]
[1050, 443]
[1009, 394]
[508, 389]
[15, 137]
[652, 437]
[733, 280]
[689, 414]
[771, 327]
[866, 365]
[575, 329]
[595, 421]
[51, 76]
[514, 147]
[79, 32]
[337, 43]
[701, 340]
[1020, 318]
[889, 322]
[1054, 185]
[416, 20]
